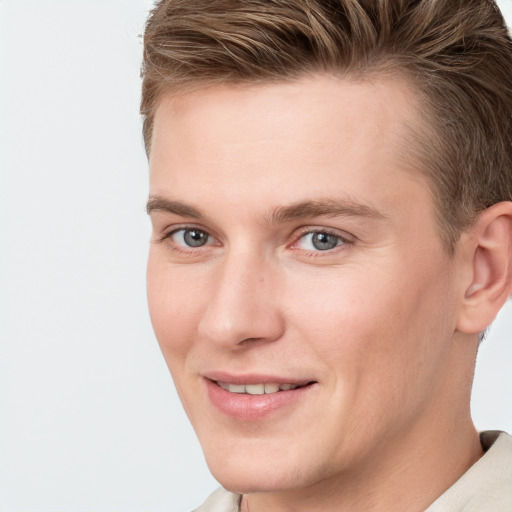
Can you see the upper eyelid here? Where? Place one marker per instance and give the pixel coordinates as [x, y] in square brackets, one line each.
[343, 235]
[190, 228]
[167, 232]
[187, 228]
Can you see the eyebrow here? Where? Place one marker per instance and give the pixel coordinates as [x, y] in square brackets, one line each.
[161, 204]
[323, 208]
[296, 211]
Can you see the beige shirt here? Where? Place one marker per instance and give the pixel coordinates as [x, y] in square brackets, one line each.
[485, 487]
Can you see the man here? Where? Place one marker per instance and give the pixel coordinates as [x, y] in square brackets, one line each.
[330, 193]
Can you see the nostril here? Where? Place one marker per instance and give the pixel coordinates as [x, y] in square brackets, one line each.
[251, 340]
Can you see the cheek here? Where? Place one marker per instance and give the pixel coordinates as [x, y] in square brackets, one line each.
[174, 299]
[378, 330]
[345, 310]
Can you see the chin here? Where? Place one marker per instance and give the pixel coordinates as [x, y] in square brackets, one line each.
[245, 473]
[247, 481]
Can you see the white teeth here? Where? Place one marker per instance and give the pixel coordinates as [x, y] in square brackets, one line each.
[257, 389]
[271, 388]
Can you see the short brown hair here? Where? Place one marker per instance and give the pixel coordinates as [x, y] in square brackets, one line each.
[456, 53]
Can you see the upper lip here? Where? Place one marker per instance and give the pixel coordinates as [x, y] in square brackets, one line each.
[254, 378]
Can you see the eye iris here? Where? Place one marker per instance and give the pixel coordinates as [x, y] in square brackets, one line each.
[195, 238]
[324, 241]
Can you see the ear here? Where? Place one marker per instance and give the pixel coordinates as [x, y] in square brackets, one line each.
[487, 255]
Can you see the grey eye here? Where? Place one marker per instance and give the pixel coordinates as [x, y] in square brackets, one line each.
[195, 238]
[319, 241]
[324, 241]
[191, 237]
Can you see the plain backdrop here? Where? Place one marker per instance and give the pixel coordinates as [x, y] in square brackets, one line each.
[89, 420]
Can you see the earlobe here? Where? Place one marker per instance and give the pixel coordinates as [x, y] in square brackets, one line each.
[489, 257]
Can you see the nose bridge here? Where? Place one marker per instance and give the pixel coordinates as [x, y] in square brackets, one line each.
[241, 306]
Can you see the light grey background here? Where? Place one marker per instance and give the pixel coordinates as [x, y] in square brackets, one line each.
[89, 421]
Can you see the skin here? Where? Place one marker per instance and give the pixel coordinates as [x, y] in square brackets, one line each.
[375, 321]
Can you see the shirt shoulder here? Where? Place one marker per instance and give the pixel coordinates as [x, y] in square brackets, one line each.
[221, 501]
[487, 485]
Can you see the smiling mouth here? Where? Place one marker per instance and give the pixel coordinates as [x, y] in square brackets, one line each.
[260, 389]
[254, 398]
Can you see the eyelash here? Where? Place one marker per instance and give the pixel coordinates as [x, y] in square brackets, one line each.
[343, 241]
[181, 248]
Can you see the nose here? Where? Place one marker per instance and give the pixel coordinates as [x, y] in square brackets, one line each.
[243, 304]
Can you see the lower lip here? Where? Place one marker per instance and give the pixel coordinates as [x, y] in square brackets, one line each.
[242, 406]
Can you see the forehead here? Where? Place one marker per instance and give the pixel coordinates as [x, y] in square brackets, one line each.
[379, 105]
[289, 138]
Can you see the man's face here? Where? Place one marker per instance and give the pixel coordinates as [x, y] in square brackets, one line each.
[292, 247]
